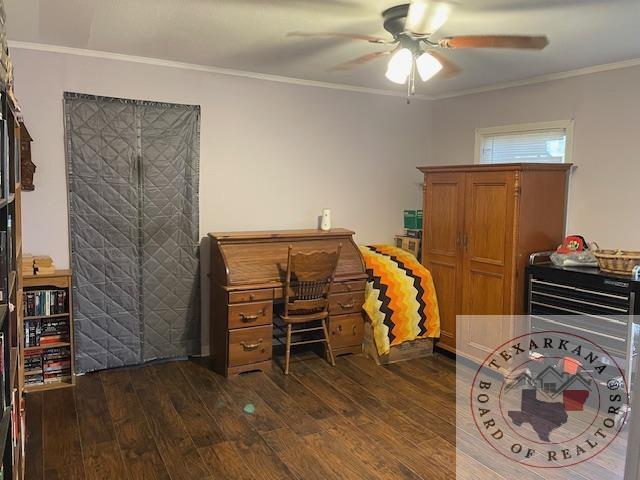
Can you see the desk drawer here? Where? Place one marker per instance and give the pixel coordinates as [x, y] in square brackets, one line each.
[251, 295]
[346, 330]
[342, 287]
[345, 303]
[249, 345]
[250, 314]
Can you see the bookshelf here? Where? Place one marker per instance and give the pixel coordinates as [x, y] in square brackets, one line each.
[49, 355]
[12, 417]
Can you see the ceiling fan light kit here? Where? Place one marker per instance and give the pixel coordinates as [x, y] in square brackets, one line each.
[401, 65]
[412, 25]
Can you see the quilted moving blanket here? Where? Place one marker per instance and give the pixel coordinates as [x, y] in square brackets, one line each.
[400, 298]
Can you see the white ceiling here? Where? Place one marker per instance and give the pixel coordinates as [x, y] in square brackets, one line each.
[249, 35]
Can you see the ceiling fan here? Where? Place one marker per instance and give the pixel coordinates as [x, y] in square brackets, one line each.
[412, 25]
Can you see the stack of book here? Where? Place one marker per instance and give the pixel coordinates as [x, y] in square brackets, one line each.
[38, 303]
[3, 266]
[47, 366]
[2, 378]
[43, 265]
[40, 332]
[15, 421]
[33, 367]
[56, 364]
[27, 264]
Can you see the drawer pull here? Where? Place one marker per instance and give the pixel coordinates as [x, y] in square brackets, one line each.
[340, 330]
[248, 347]
[251, 318]
[346, 305]
[348, 287]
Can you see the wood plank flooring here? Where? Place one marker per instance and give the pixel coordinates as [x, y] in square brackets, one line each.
[179, 420]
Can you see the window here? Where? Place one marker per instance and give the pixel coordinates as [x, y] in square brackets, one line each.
[546, 142]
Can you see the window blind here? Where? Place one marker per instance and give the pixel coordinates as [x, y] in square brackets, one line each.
[518, 147]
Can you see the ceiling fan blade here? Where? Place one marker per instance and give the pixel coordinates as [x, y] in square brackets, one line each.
[426, 16]
[449, 68]
[360, 60]
[348, 36]
[495, 41]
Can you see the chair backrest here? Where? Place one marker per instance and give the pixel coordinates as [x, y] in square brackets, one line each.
[309, 280]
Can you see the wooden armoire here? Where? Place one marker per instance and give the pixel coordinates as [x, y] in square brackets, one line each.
[481, 222]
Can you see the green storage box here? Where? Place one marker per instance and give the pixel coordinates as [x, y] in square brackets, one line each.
[413, 219]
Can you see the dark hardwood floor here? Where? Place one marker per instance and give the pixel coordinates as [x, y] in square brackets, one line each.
[179, 420]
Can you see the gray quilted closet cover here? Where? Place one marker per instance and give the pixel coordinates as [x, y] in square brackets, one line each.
[133, 212]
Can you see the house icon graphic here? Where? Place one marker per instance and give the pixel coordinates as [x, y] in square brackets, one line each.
[549, 382]
[539, 398]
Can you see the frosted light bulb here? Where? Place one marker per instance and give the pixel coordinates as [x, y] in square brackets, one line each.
[399, 66]
[427, 66]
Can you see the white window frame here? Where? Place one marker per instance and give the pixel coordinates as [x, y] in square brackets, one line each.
[567, 125]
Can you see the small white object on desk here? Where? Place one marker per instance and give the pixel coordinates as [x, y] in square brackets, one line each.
[325, 223]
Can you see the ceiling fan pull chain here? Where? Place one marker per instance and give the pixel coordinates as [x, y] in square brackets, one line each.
[408, 91]
[411, 81]
[413, 76]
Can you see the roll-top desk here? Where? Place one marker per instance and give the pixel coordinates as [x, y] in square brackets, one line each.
[247, 278]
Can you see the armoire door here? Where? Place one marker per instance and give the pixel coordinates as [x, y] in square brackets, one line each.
[487, 261]
[444, 221]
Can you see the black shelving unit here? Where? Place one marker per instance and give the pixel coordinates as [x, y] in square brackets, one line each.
[11, 406]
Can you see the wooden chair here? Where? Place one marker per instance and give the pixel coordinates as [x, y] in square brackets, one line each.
[308, 285]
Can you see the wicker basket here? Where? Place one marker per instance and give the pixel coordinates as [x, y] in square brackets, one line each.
[617, 261]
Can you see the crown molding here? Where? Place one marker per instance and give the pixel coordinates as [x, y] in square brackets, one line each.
[550, 77]
[206, 68]
[634, 62]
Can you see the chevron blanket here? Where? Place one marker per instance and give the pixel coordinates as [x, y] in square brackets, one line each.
[400, 297]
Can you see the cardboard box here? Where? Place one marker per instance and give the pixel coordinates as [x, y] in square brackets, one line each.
[409, 244]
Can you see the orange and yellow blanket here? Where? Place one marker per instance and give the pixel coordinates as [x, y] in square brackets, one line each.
[400, 297]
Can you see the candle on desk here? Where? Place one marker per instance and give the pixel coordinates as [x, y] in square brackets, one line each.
[325, 224]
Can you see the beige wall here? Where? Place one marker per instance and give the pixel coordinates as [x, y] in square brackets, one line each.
[353, 152]
[605, 185]
[272, 154]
